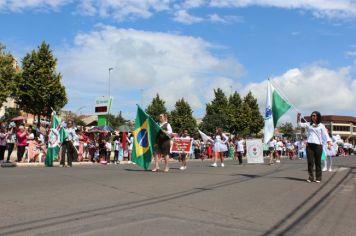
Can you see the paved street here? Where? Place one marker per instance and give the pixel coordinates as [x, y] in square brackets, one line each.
[124, 200]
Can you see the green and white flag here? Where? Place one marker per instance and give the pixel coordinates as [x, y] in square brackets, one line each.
[276, 107]
[56, 136]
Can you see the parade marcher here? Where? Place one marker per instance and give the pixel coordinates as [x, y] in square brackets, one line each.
[21, 142]
[197, 148]
[301, 148]
[68, 145]
[220, 147]
[130, 142]
[317, 135]
[240, 148]
[279, 149]
[272, 150]
[163, 143]
[183, 156]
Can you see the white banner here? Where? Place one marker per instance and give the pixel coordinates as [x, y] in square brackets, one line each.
[254, 150]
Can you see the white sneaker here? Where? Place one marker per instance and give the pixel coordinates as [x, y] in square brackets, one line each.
[182, 168]
[130, 162]
[325, 169]
[278, 161]
[330, 170]
[222, 165]
[214, 165]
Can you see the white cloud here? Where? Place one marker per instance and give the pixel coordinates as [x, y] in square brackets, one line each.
[20, 5]
[123, 10]
[184, 17]
[215, 18]
[313, 88]
[172, 65]
[132, 9]
[320, 8]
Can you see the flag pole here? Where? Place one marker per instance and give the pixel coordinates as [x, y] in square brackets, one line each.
[284, 97]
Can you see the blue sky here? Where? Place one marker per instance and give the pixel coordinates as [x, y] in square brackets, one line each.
[188, 48]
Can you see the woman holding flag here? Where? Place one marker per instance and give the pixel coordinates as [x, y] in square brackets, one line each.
[317, 135]
[163, 144]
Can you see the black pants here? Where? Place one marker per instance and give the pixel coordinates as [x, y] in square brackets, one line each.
[239, 155]
[314, 152]
[67, 148]
[10, 148]
[2, 152]
[20, 151]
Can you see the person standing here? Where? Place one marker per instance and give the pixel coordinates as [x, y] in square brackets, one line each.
[163, 143]
[68, 145]
[183, 156]
[220, 147]
[272, 150]
[10, 142]
[3, 137]
[317, 135]
[130, 141]
[239, 148]
[21, 142]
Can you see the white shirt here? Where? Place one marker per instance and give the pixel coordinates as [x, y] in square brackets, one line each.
[240, 145]
[169, 128]
[272, 143]
[317, 134]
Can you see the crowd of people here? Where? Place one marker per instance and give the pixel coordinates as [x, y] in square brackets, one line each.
[106, 147]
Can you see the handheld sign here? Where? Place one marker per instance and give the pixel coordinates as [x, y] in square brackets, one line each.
[181, 145]
[254, 151]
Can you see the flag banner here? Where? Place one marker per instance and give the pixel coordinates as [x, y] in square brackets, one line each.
[181, 145]
[254, 150]
[56, 136]
[205, 137]
[276, 107]
[145, 136]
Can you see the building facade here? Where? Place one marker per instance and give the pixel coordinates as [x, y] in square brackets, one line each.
[345, 126]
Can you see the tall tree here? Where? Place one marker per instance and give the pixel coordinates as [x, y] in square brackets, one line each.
[156, 107]
[40, 89]
[181, 118]
[7, 75]
[287, 130]
[216, 113]
[116, 121]
[235, 103]
[257, 120]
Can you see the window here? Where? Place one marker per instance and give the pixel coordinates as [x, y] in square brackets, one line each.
[341, 128]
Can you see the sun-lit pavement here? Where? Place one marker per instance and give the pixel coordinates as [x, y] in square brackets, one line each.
[124, 200]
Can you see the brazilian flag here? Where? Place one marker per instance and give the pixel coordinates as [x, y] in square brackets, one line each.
[145, 136]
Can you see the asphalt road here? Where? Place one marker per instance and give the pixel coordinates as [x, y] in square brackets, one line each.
[201, 200]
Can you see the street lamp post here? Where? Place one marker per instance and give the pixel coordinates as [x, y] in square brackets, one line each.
[110, 69]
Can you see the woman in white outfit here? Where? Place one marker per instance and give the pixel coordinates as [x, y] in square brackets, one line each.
[317, 136]
[220, 147]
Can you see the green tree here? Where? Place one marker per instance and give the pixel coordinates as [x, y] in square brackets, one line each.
[216, 113]
[234, 108]
[181, 118]
[257, 120]
[287, 130]
[244, 119]
[10, 113]
[156, 108]
[40, 89]
[116, 121]
[7, 75]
